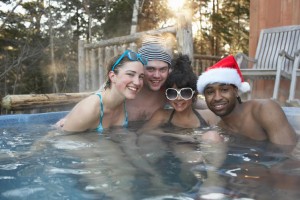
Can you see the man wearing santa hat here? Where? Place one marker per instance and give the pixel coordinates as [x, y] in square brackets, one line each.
[257, 119]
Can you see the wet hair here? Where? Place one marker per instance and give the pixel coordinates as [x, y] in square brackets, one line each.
[182, 74]
[239, 99]
[111, 62]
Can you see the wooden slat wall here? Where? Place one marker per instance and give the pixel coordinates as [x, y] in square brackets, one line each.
[267, 14]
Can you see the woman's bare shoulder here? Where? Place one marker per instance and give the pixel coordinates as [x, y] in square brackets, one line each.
[89, 108]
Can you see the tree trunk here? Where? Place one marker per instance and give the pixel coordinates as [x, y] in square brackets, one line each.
[54, 72]
[134, 19]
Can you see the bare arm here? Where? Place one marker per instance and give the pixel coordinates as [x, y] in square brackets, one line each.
[83, 116]
[158, 118]
[273, 120]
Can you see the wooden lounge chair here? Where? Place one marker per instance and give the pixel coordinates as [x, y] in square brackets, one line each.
[275, 57]
[295, 74]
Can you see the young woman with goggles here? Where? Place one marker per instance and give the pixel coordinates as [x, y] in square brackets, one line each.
[98, 112]
[107, 108]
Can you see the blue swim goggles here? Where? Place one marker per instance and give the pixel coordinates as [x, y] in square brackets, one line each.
[132, 56]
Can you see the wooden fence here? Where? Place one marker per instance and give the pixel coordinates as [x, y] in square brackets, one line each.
[92, 58]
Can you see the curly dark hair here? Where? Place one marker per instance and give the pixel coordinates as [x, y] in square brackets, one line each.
[182, 74]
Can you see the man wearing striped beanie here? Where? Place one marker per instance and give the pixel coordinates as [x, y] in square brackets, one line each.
[151, 97]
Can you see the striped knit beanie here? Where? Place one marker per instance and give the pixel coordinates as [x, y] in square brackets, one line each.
[152, 49]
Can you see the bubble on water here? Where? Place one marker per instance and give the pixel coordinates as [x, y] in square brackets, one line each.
[70, 145]
[6, 177]
[22, 192]
[10, 166]
[212, 196]
[55, 170]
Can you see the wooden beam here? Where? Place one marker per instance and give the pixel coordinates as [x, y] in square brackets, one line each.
[81, 66]
[128, 38]
[29, 101]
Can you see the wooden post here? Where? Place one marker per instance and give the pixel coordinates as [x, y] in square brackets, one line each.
[115, 50]
[197, 67]
[107, 57]
[87, 69]
[184, 35]
[133, 46]
[94, 71]
[81, 66]
[123, 47]
[101, 66]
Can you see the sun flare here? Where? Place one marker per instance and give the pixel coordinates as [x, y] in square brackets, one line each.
[175, 4]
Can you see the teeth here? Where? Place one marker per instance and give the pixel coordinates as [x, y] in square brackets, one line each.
[218, 106]
[179, 104]
[132, 88]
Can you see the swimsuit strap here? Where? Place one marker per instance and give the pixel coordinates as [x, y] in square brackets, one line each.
[125, 123]
[100, 127]
[203, 123]
[171, 117]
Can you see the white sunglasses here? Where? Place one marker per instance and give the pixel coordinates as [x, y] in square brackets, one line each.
[184, 93]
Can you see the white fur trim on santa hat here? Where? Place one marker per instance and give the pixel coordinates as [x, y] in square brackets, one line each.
[221, 75]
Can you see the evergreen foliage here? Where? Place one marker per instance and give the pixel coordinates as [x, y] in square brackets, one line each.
[31, 30]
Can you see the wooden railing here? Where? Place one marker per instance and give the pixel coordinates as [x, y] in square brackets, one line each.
[202, 62]
[36, 103]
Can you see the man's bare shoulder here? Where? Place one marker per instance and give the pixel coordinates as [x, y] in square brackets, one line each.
[267, 112]
[163, 112]
[147, 99]
[262, 105]
[144, 105]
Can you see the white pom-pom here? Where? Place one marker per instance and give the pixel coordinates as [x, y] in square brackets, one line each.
[245, 87]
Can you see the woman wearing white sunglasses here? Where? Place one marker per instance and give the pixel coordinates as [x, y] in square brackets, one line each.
[182, 127]
[181, 92]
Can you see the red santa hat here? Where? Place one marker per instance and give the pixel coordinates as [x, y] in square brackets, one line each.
[225, 71]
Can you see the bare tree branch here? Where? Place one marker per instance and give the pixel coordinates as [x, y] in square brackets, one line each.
[24, 55]
[8, 15]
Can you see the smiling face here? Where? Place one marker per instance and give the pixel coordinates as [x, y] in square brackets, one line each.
[221, 98]
[156, 73]
[128, 79]
[179, 103]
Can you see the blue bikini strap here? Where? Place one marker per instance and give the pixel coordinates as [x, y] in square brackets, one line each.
[100, 127]
[125, 124]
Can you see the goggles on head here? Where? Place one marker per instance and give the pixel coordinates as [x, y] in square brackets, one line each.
[132, 56]
[185, 93]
